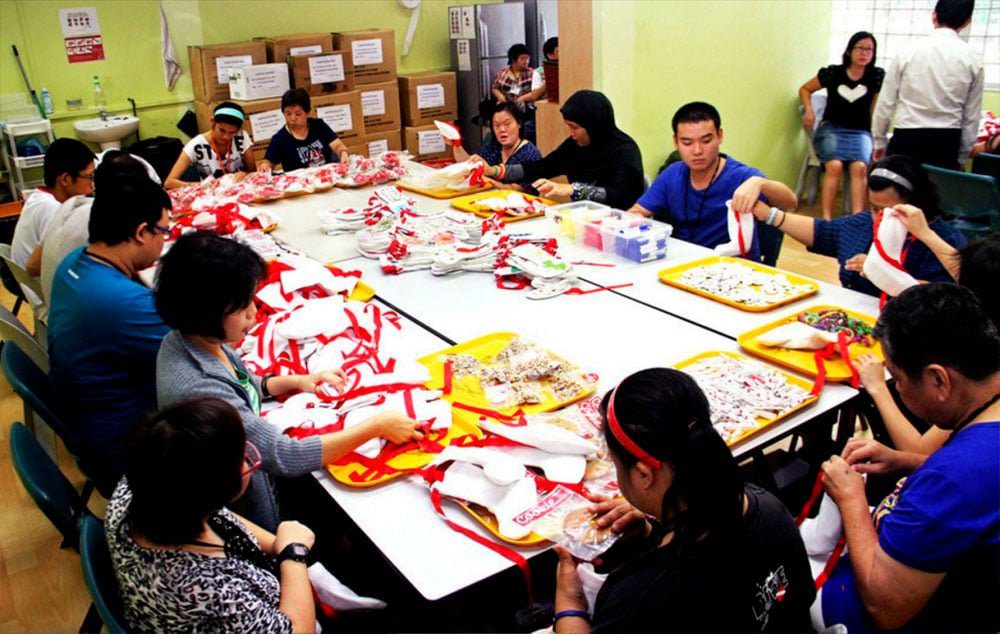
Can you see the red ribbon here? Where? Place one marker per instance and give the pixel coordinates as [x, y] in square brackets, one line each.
[739, 234]
[876, 221]
[838, 550]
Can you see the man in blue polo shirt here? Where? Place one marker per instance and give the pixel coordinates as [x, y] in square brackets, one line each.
[104, 331]
[930, 561]
[691, 194]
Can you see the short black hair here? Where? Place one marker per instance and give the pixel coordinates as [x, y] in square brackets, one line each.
[924, 194]
[513, 108]
[516, 51]
[228, 118]
[954, 13]
[694, 112]
[980, 272]
[65, 156]
[202, 279]
[296, 97]
[550, 46]
[665, 412]
[939, 323]
[118, 167]
[183, 464]
[121, 209]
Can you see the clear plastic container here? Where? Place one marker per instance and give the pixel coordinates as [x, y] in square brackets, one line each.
[572, 218]
[635, 238]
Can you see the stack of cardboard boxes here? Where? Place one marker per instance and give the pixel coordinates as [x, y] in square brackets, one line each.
[351, 79]
[426, 97]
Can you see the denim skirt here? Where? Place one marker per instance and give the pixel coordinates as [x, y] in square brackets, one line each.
[834, 143]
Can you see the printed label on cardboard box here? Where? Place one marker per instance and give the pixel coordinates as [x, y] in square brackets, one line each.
[430, 96]
[223, 64]
[266, 124]
[373, 103]
[305, 50]
[337, 117]
[377, 147]
[326, 68]
[430, 142]
[366, 51]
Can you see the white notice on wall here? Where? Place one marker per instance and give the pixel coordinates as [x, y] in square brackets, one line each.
[377, 147]
[373, 103]
[223, 64]
[265, 124]
[326, 68]
[79, 22]
[366, 51]
[464, 59]
[305, 50]
[430, 96]
[337, 117]
[430, 142]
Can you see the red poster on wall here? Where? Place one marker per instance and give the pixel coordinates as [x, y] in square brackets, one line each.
[82, 33]
[84, 49]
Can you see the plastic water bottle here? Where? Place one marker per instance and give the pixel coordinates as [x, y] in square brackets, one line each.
[47, 101]
[99, 102]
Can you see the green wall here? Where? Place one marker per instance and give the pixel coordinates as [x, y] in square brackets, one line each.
[131, 30]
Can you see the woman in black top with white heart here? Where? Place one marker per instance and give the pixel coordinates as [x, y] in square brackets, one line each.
[843, 137]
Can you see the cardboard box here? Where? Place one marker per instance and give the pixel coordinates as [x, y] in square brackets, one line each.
[210, 66]
[380, 107]
[373, 53]
[383, 142]
[264, 81]
[425, 142]
[264, 118]
[281, 46]
[427, 96]
[358, 149]
[342, 112]
[322, 73]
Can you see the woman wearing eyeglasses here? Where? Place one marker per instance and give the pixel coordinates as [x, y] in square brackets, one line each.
[714, 554]
[186, 563]
[843, 138]
[205, 293]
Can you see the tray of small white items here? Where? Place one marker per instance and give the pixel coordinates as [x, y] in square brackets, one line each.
[745, 396]
[743, 284]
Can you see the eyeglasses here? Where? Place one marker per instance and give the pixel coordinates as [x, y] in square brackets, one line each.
[164, 231]
[89, 176]
[251, 458]
[864, 49]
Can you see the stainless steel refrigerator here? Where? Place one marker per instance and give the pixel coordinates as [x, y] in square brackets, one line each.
[480, 37]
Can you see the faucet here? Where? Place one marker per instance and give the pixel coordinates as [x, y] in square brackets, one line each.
[104, 113]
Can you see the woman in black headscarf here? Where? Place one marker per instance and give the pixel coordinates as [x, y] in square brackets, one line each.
[602, 163]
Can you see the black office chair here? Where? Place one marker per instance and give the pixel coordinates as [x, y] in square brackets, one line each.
[770, 243]
[987, 165]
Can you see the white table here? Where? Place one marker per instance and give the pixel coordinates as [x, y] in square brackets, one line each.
[608, 333]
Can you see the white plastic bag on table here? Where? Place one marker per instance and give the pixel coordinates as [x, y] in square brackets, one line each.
[885, 275]
[738, 224]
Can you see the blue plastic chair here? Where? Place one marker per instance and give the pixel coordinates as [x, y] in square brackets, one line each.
[972, 199]
[46, 484]
[99, 574]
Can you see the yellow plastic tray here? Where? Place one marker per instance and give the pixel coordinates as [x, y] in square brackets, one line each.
[673, 274]
[489, 522]
[469, 203]
[763, 423]
[468, 389]
[441, 193]
[409, 460]
[803, 361]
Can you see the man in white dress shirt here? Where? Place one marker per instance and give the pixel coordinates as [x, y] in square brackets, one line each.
[933, 93]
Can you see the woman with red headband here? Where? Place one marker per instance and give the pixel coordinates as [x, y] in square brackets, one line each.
[716, 554]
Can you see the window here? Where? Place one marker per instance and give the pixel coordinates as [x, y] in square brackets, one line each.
[895, 23]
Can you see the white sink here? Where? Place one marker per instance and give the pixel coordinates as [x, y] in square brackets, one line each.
[109, 133]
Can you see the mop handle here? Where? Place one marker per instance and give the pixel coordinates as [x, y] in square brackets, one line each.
[24, 75]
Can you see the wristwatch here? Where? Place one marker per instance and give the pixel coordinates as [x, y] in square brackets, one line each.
[294, 551]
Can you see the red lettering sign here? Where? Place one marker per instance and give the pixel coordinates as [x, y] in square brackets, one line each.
[85, 49]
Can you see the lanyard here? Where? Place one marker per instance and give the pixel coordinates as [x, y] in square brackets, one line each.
[111, 264]
[222, 157]
[704, 194]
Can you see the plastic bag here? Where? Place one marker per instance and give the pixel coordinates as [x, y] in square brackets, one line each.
[563, 516]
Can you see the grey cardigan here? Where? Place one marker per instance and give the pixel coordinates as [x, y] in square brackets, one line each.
[184, 371]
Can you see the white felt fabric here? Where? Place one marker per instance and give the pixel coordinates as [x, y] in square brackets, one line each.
[543, 436]
[745, 225]
[465, 481]
[888, 278]
[797, 336]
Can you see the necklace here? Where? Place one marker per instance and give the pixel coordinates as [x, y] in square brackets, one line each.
[972, 416]
[110, 263]
[704, 194]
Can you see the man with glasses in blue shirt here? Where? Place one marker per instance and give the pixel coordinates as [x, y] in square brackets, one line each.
[104, 331]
